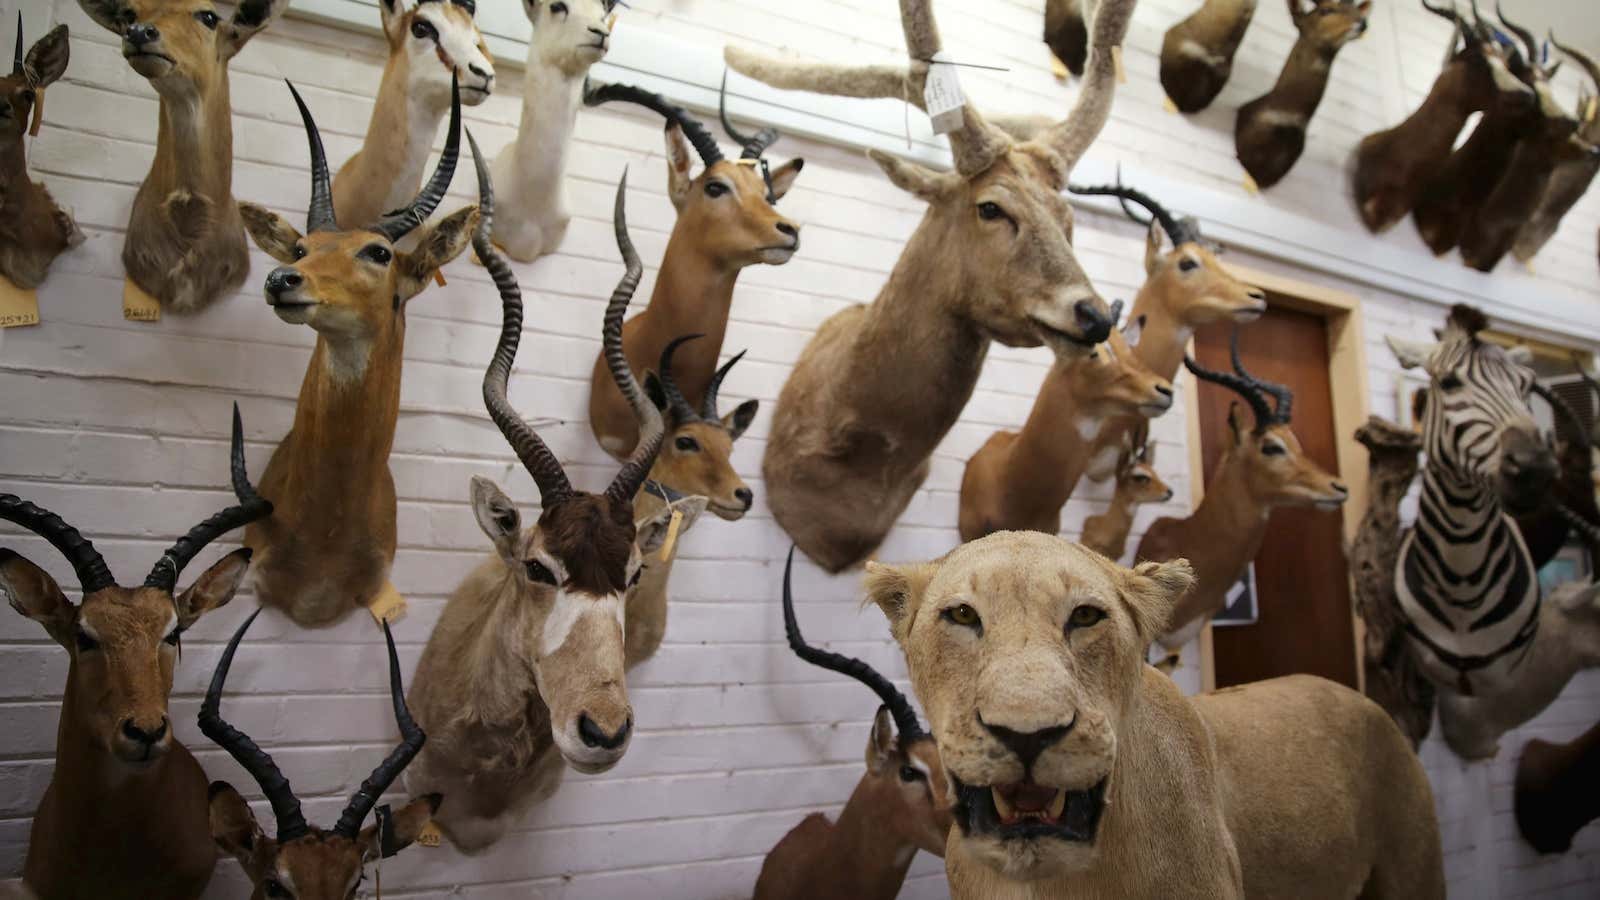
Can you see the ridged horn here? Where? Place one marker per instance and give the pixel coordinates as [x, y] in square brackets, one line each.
[319, 214]
[1523, 34]
[397, 224]
[85, 560]
[698, 136]
[708, 408]
[16, 61]
[677, 404]
[651, 428]
[754, 144]
[411, 740]
[1257, 400]
[1180, 232]
[1283, 398]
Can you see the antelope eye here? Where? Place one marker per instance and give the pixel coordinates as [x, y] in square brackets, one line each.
[1139, 478]
[989, 211]
[208, 19]
[470, 6]
[637, 574]
[299, 251]
[423, 29]
[558, 9]
[715, 189]
[1085, 617]
[687, 444]
[1450, 382]
[539, 572]
[376, 253]
[274, 888]
[1188, 264]
[28, 96]
[1273, 448]
[909, 774]
[963, 615]
[85, 642]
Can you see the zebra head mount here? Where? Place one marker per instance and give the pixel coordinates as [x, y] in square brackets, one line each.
[1477, 427]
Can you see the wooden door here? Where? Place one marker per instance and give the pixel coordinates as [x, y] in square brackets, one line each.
[1302, 581]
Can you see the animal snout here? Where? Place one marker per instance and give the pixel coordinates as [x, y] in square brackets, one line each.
[144, 734]
[281, 281]
[1257, 294]
[1028, 745]
[1340, 489]
[140, 34]
[479, 71]
[1164, 391]
[789, 230]
[600, 33]
[595, 736]
[745, 495]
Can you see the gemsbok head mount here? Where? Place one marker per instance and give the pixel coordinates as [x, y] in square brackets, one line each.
[327, 548]
[185, 245]
[301, 861]
[858, 412]
[115, 751]
[33, 229]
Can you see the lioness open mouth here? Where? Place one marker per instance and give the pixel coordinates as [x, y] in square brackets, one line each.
[1024, 810]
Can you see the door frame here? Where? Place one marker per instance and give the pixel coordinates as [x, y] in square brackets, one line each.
[1347, 381]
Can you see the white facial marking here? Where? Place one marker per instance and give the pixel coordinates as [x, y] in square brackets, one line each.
[568, 609]
[1283, 118]
[83, 623]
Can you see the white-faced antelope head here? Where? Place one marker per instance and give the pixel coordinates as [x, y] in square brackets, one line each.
[436, 41]
[303, 862]
[696, 457]
[574, 566]
[570, 35]
[33, 229]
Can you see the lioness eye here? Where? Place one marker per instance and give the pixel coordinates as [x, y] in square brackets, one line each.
[963, 615]
[1086, 616]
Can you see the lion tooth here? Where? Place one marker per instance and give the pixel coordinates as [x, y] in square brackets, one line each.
[1057, 805]
[1005, 809]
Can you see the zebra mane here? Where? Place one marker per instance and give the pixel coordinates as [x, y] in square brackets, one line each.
[1469, 320]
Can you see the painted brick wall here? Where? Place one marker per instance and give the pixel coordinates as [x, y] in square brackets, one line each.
[737, 740]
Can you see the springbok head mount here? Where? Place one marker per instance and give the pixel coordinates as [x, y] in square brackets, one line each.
[570, 35]
[1477, 427]
[696, 457]
[1279, 472]
[182, 46]
[124, 641]
[730, 204]
[352, 283]
[435, 40]
[1019, 279]
[574, 566]
[31, 73]
[1330, 23]
[303, 862]
[904, 773]
[1136, 467]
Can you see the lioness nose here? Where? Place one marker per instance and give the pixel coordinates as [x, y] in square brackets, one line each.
[1027, 745]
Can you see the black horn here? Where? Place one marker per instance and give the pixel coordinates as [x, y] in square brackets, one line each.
[1282, 397]
[1180, 231]
[86, 561]
[411, 740]
[1526, 36]
[16, 61]
[397, 224]
[708, 408]
[698, 136]
[754, 144]
[319, 215]
[677, 404]
[1257, 400]
[651, 429]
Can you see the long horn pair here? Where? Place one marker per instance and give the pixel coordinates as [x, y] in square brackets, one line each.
[1241, 384]
[754, 144]
[698, 136]
[651, 428]
[1526, 36]
[86, 561]
[250, 508]
[398, 223]
[1565, 412]
[411, 740]
[1283, 399]
[905, 718]
[1582, 59]
[1180, 232]
[676, 402]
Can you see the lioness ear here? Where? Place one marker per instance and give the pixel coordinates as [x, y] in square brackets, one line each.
[1153, 590]
[897, 590]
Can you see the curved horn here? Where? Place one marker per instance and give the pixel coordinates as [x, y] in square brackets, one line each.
[16, 61]
[676, 402]
[1258, 403]
[703, 142]
[1447, 12]
[251, 507]
[1523, 34]
[651, 428]
[525, 442]
[755, 144]
[319, 215]
[708, 407]
[411, 740]
[397, 224]
[905, 718]
[258, 762]
[86, 561]
[1283, 398]
[1176, 230]
[1583, 59]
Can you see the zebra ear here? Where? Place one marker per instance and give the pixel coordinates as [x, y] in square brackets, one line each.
[1411, 354]
[1521, 354]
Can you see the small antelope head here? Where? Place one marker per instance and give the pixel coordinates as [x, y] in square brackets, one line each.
[437, 40]
[570, 35]
[730, 205]
[353, 284]
[1330, 24]
[696, 458]
[1112, 381]
[574, 566]
[1137, 479]
[124, 641]
[182, 46]
[30, 75]
[904, 773]
[1279, 472]
[304, 862]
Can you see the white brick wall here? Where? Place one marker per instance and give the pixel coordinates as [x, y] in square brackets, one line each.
[737, 740]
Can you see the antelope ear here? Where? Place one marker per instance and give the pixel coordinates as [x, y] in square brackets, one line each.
[214, 588]
[880, 742]
[497, 516]
[1153, 242]
[897, 590]
[783, 177]
[271, 232]
[249, 18]
[233, 825]
[1235, 427]
[436, 248]
[652, 532]
[737, 421]
[392, 16]
[680, 166]
[47, 60]
[406, 826]
[912, 178]
[1411, 354]
[113, 15]
[1152, 590]
[31, 591]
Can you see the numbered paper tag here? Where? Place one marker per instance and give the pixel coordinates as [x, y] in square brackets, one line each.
[942, 95]
[430, 835]
[1116, 63]
[137, 306]
[17, 306]
[672, 535]
[388, 606]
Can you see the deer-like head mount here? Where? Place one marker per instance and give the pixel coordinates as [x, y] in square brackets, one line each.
[30, 74]
[434, 40]
[903, 770]
[182, 46]
[1330, 24]
[124, 641]
[1279, 472]
[696, 457]
[303, 862]
[570, 35]
[353, 284]
[574, 566]
[1137, 478]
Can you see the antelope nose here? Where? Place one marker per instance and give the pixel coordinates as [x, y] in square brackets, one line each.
[139, 34]
[1027, 745]
[1164, 391]
[600, 33]
[1340, 489]
[1257, 294]
[788, 229]
[593, 736]
[143, 736]
[746, 496]
[282, 280]
[477, 70]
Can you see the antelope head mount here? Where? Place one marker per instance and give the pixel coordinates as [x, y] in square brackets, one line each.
[570, 35]
[34, 230]
[1197, 53]
[1572, 177]
[1136, 482]
[696, 457]
[303, 862]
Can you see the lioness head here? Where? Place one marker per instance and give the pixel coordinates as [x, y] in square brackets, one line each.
[1025, 650]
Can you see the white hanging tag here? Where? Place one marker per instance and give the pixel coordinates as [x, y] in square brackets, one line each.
[942, 95]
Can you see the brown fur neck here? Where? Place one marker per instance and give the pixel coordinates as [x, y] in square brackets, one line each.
[1050, 453]
[1304, 77]
[1227, 509]
[347, 423]
[860, 844]
[693, 295]
[194, 149]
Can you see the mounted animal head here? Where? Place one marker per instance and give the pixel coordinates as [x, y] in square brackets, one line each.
[1027, 652]
[574, 566]
[30, 75]
[1482, 63]
[904, 774]
[1477, 428]
[182, 46]
[1278, 472]
[436, 42]
[696, 457]
[1330, 24]
[352, 284]
[1113, 381]
[1017, 277]
[1137, 479]
[303, 862]
[570, 35]
[1554, 120]
[730, 204]
[123, 642]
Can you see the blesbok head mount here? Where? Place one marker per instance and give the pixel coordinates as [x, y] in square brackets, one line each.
[34, 230]
[303, 862]
[185, 246]
[696, 457]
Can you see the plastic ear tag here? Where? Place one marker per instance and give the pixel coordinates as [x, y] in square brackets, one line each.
[17, 306]
[438, 277]
[941, 95]
[38, 114]
[1116, 63]
[138, 306]
[430, 835]
[672, 535]
[1250, 185]
[388, 606]
[1168, 105]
